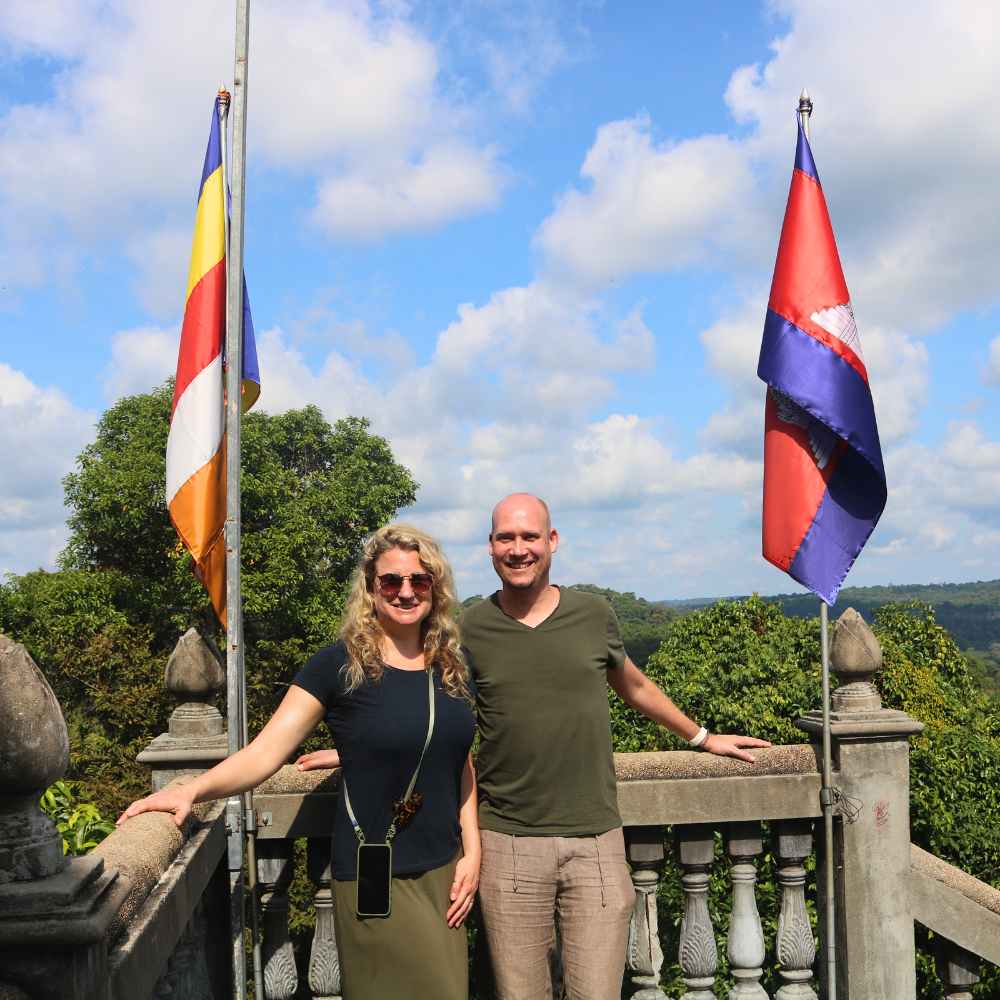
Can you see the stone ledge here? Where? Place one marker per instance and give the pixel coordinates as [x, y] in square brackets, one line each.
[152, 931]
[144, 847]
[289, 780]
[955, 904]
[798, 758]
[968, 885]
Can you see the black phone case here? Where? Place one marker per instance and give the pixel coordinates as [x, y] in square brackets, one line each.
[374, 883]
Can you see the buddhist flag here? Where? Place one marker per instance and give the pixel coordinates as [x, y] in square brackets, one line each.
[824, 482]
[196, 454]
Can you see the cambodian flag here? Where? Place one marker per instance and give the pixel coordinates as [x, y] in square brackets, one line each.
[824, 482]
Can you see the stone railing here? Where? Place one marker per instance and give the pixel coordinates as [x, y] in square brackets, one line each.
[146, 914]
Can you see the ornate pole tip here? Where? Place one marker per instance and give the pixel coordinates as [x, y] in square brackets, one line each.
[805, 103]
[224, 96]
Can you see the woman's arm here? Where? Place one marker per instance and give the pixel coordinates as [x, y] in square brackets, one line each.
[463, 889]
[294, 720]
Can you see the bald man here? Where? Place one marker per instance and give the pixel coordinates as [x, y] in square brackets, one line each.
[542, 658]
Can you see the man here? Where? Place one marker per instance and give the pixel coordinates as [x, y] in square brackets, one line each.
[552, 839]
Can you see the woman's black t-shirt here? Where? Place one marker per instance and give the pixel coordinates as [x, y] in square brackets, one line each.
[379, 730]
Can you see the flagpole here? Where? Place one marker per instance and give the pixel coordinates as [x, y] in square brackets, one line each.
[239, 809]
[826, 792]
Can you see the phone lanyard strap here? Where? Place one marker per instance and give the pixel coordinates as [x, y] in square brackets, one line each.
[358, 832]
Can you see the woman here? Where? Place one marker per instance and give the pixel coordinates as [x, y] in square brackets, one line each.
[398, 656]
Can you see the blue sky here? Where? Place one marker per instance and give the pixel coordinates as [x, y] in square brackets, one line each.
[532, 241]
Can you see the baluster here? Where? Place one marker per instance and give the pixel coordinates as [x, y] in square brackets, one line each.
[796, 946]
[186, 975]
[745, 946]
[957, 969]
[274, 870]
[324, 959]
[644, 846]
[697, 954]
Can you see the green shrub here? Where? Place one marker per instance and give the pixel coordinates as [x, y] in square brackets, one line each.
[743, 666]
[80, 823]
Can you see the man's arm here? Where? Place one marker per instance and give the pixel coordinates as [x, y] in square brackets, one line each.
[640, 693]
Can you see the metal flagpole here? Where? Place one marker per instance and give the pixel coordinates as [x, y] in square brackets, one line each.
[826, 792]
[239, 809]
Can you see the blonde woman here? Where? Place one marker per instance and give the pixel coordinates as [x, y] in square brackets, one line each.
[407, 769]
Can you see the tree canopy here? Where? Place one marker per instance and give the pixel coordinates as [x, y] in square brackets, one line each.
[102, 626]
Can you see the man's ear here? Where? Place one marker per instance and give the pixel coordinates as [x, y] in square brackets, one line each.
[553, 539]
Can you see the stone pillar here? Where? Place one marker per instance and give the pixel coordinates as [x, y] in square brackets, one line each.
[745, 946]
[54, 912]
[324, 959]
[274, 870]
[697, 954]
[196, 738]
[795, 944]
[644, 848]
[871, 757]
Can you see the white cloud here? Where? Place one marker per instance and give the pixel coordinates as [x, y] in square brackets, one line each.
[346, 97]
[140, 360]
[992, 373]
[446, 182]
[648, 206]
[41, 433]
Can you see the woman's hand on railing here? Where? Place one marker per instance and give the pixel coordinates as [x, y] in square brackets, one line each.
[316, 759]
[177, 800]
[733, 746]
[463, 889]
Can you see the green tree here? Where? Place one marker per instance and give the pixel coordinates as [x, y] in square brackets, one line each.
[743, 666]
[102, 627]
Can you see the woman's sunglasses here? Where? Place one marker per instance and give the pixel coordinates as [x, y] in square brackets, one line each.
[390, 584]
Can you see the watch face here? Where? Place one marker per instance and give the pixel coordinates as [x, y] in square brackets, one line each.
[374, 879]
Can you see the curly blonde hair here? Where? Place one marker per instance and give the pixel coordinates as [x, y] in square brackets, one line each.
[360, 629]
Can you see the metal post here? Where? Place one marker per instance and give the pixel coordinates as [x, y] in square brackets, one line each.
[826, 792]
[234, 809]
[239, 809]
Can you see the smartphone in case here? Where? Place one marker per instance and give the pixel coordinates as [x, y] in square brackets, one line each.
[374, 880]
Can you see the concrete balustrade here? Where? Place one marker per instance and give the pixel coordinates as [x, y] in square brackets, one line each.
[147, 913]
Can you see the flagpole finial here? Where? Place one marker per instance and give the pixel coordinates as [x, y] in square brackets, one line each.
[224, 96]
[805, 110]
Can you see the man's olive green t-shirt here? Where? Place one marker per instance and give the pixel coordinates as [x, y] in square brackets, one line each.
[545, 764]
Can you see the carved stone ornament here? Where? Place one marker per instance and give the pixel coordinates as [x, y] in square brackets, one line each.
[324, 959]
[34, 752]
[697, 954]
[745, 946]
[796, 946]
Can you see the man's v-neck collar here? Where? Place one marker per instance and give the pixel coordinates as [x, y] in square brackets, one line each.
[517, 621]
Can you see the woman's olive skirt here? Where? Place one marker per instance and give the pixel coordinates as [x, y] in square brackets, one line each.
[410, 955]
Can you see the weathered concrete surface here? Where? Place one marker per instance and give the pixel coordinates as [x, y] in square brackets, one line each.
[955, 905]
[142, 849]
[874, 929]
[34, 752]
[156, 918]
[193, 671]
[294, 803]
[688, 764]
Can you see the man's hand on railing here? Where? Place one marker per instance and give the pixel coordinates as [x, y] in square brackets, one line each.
[178, 800]
[318, 758]
[733, 746]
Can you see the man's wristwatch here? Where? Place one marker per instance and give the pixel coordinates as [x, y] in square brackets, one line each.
[699, 738]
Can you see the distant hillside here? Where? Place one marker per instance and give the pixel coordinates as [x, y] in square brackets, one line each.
[969, 611]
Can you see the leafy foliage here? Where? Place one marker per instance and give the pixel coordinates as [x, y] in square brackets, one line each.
[744, 666]
[102, 627]
[80, 823]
